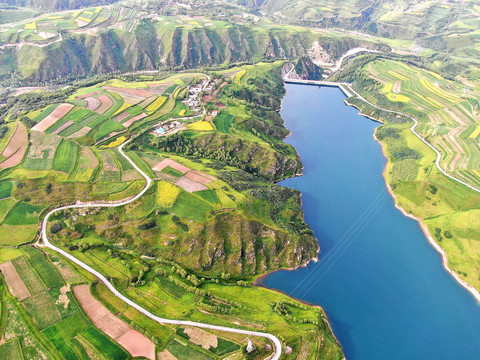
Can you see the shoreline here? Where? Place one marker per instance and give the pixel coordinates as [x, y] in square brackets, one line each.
[444, 256]
[258, 282]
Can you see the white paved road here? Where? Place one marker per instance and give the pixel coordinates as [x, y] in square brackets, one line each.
[277, 345]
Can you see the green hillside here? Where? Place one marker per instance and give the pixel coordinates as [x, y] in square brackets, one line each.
[57, 4]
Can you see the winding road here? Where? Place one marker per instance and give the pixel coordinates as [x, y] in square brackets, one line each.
[276, 342]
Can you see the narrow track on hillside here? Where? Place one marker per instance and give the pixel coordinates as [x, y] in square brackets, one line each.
[46, 243]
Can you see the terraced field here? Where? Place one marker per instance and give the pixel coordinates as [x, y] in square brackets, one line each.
[448, 113]
[47, 28]
[57, 327]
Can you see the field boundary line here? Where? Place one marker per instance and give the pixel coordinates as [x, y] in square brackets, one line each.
[276, 342]
[413, 130]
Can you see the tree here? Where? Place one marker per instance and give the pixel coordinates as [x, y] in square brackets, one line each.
[56, 227]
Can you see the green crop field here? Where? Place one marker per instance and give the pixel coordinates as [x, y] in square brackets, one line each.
[42, 309]
[59, 343]
[31, 279]
[209, 196]
[223, 122]
[5, 206]
[182, 350]
[5, 189]
[14, 235]
[11, 350]
[190, 206]
[103, 343]
[444, 109]
[65, 157]
[224, 347]
[23, 214]
[106, 128]
[171, 171]
[44, 268]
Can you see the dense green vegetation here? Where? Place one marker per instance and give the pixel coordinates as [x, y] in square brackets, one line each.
[237, 226]
[174, 42]
[191, 249]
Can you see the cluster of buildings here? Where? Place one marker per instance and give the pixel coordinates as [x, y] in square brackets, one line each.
[193, 99]
[166, 127]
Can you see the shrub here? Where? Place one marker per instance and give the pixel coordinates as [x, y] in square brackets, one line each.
[148, 225]
[56, 227]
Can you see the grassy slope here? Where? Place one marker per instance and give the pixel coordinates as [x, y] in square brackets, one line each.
[233, 218]
[445, 206]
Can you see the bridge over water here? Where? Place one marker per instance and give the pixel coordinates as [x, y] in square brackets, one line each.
[345, 87]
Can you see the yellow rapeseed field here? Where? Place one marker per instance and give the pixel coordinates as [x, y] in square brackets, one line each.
[397, 97]
[31, 26]
[123, 107]
[238, 77]
[167, 193]
[117, 142]
[200, 125]
[154, 106]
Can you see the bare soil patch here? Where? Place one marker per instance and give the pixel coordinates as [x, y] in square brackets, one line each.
[63, 297]
[63, 127]
[92, 103]
[457, 116]
[159, 89]
[106, 104]
[165, 355]
[90, 94]
[16, 148]
[112, 326]
[51, 119]
[397, 87]
[92, 307]
[132, 120]
[43, 145]
[14, 281]
[121, 117]
[136, 344]
[173, 164]
[82, 132]
[198, 177]
[81, 23]
[130, 175]
[190, 185]
[202, 338]
[131, 92]
[91, 156]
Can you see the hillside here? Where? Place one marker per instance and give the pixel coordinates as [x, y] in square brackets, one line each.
[57, 4]
[121, 39]
[212, 221]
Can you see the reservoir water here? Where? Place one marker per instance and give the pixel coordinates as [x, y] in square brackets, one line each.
[380, 282]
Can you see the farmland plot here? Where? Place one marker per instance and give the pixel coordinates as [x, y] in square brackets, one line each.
[16, 148]
[42, 151]
[110, 171]
[135, 343]
[87, 163]
[51, 119]
[451, 122]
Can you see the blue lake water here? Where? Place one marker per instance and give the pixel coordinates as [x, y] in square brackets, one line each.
[380, 282]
